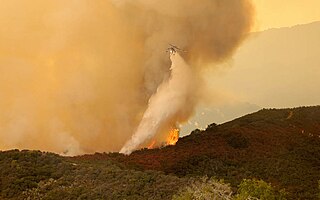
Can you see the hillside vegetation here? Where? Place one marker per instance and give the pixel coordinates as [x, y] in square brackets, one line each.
[281, 147]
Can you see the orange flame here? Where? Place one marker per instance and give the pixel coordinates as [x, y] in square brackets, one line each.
[151, 145]
[172, 139]
[173, 136]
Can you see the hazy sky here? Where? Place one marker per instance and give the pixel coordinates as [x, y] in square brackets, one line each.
[283, 13]
[280, 67]
[275, 68]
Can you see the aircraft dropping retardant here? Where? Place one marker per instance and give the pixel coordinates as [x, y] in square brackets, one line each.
[173, 49]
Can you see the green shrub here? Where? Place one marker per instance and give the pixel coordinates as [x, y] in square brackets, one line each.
[258, 189]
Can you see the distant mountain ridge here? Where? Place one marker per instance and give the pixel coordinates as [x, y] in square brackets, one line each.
[275, 68]
[314, 23]
[272, 69]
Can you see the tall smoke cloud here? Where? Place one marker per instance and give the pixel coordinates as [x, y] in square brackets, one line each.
[76, 76]
[172, 103]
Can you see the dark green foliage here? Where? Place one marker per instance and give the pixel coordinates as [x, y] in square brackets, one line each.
[36, 175]
[236, 140]
[319, 189]
[212, 188]
[258, 189]
[212, 127]
[281, 147]
[196, 131]
[22, 170]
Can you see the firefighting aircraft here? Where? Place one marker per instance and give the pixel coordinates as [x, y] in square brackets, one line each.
[173, 49]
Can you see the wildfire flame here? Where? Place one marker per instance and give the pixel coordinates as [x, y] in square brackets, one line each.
[151, 145]
[173, 136]
[172, 139]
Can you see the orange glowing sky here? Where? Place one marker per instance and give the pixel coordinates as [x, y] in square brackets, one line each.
[284, 13]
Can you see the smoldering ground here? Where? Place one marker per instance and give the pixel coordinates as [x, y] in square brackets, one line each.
[76, 76]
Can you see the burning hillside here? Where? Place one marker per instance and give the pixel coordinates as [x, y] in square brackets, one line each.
[173, 137]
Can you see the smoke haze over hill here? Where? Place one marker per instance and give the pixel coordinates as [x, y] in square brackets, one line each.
[76, 76]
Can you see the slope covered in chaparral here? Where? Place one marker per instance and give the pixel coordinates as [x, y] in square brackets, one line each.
[279, 146]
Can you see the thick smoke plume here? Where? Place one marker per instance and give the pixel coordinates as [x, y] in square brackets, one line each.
[172, 103]
[76, 76]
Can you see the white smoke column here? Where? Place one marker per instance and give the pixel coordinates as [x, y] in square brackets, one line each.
[169, 102]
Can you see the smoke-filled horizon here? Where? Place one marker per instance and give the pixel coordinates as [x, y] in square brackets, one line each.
[76, 76]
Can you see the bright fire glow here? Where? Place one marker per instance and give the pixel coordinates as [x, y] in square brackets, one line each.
[151, 145]
[172, 139]
[173, 136]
